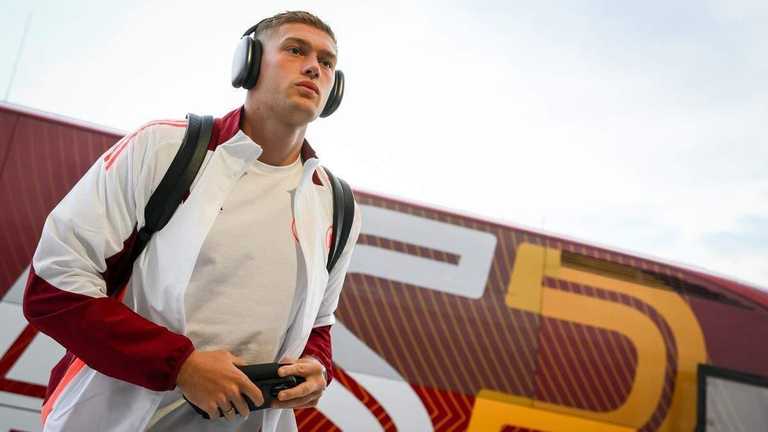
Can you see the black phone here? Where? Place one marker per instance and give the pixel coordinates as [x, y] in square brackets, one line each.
[265, 377]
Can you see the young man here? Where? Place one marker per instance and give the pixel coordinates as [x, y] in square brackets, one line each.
[236, 277]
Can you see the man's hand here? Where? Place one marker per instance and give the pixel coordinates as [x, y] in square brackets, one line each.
[306, 394]
[210, 380]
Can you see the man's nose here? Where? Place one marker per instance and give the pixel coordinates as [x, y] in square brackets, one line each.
[312, 69]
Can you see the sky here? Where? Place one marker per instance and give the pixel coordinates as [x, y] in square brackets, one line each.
[639, 126]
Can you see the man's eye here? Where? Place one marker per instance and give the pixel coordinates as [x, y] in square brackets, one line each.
[295, 50]
[328, 64]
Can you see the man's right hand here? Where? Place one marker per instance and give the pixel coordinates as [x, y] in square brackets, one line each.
[210, 380]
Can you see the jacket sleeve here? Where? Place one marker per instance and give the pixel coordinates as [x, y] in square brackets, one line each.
[319, 343]
[319, 347]
[67, 296]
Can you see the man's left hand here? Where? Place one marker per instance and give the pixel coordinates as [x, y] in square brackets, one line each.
[306, 394]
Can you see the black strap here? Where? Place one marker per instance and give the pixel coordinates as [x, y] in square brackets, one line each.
[183, 170]
[177, 180]
[343, 216]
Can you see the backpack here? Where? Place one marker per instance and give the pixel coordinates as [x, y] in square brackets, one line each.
[183, 170]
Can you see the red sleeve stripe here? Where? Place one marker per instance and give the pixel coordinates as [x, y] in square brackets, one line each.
[126, 138]
[110, 157]
[69, 375]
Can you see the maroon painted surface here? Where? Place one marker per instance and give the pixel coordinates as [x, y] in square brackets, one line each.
[42, 162]
[735, 337]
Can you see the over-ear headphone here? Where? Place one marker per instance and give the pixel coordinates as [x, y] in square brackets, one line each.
[247, 61]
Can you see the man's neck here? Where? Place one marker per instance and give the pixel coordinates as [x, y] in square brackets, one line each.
[280, 142]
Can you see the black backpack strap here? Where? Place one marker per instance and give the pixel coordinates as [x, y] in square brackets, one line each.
[343, 216]
[176, 181]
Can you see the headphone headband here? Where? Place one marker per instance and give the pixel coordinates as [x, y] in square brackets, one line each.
[253, 28]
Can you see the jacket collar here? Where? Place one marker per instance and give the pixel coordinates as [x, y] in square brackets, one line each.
[226, 127]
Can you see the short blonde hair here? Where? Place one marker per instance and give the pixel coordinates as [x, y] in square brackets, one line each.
[291, 17]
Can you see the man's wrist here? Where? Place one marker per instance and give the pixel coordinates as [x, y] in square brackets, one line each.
[322, 366]
[183, 364]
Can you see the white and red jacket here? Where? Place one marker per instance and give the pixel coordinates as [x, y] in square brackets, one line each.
[125, 351]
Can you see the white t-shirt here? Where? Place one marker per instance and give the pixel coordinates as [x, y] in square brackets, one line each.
[241, 294]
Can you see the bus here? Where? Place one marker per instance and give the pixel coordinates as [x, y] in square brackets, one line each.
[447, 321]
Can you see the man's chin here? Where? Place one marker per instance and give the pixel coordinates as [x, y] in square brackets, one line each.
[304, 109]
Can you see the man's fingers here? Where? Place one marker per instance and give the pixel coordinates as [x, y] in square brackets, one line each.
[249, 389]
[228, 409]
[303, 369]
[304, 402]
[240, 406]
[212, 410]
[304, 389]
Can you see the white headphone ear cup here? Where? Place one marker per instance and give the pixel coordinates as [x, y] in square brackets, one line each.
[240, 61]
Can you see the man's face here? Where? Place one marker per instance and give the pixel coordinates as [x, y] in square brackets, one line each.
[297, 72]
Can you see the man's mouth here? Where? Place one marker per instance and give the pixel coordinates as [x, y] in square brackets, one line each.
[309, 85]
